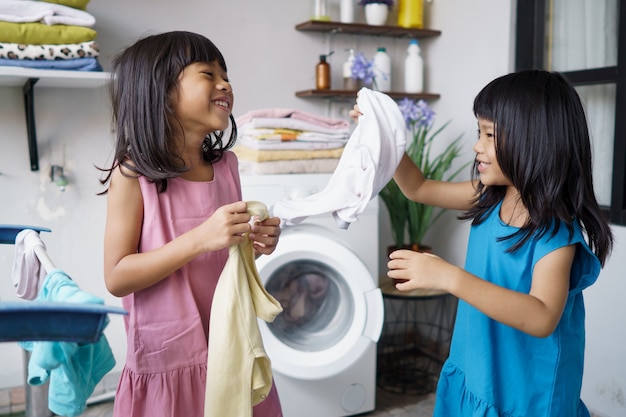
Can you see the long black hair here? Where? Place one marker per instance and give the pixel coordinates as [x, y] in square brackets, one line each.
[144, 77]
[543, 147]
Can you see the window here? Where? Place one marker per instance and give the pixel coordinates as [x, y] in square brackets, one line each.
[586, 41]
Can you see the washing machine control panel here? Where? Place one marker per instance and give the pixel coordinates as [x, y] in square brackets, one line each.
[273, 188]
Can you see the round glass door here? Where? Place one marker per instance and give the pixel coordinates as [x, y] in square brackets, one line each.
[332, 307]
[317, 305]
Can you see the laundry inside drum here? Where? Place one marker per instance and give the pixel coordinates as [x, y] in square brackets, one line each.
[317, 305]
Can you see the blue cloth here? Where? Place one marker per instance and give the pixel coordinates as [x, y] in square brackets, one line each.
[74, 369]
[74, 64]
[495, 370]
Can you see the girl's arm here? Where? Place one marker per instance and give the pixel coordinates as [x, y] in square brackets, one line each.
[449, 195]
[536, 313]
[411, 180]
[126, 270]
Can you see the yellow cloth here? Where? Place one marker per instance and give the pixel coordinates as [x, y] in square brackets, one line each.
[40, 33]
[256, 155]
[77, 4]
[239, 373]
[275, 134]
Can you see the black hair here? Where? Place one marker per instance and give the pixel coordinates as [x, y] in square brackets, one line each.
[144, 77]
[543, 147]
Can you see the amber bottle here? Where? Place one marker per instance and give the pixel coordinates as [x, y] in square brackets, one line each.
[322, 74]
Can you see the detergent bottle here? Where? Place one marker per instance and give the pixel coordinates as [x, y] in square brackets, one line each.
[413, 69]
[382, 70]
[411, 13]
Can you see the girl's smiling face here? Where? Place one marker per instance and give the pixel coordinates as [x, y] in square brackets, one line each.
[204, 98]
[485, 148]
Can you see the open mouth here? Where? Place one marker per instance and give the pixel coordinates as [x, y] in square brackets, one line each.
[482, 166]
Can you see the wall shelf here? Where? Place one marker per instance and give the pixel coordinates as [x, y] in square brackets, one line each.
[364, 29]
[28, 78]
[349, 94]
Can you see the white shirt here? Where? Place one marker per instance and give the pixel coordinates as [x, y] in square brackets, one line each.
[367, 164]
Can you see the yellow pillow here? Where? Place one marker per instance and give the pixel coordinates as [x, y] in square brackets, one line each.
[77, 4]
[39, 33]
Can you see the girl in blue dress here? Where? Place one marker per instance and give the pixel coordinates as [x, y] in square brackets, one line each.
[538, 239]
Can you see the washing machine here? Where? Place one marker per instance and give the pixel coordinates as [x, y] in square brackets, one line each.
[323, 345]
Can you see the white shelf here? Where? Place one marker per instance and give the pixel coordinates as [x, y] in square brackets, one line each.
[19, 76]
[28, 79]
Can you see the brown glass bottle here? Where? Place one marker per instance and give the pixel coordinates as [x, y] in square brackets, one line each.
[322, 74]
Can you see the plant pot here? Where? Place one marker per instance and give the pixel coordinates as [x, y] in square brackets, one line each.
[414, 246]
[376, 14]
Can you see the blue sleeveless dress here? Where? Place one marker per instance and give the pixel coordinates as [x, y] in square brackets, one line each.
[495, 370]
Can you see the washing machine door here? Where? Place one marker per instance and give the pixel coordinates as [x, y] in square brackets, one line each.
[332, 306]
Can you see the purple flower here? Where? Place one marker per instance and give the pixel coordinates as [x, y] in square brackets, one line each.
[389, 3]
[362, 69]
[417, 114]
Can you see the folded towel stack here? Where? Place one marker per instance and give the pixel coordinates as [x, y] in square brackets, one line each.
[48, 34]
[289, 141]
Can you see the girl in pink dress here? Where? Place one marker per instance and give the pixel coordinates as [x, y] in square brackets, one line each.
[173, 209]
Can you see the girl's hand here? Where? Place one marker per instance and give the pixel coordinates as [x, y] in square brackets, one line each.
[418, 270]
[264, 236]
[355, 113]
[226, 227]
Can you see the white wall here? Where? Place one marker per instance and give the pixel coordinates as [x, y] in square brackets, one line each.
[268, 61]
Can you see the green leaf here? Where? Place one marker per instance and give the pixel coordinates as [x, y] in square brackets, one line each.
[410, 220]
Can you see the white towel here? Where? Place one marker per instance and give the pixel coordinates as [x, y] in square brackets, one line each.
[28, 272]
[296, 166]
[20, 11]
[367, 164]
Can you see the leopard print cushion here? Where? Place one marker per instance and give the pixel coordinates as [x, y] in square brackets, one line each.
[49, 52]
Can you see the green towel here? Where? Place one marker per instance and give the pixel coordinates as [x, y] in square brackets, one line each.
[39, 33]
[77, 4]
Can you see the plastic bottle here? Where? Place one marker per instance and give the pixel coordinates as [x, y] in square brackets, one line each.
[346, 11]
[411, 13]
[382, 70]
[413, 69]
[322, 74]
[349, 83]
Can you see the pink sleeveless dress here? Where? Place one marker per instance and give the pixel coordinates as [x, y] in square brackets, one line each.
[168, 323]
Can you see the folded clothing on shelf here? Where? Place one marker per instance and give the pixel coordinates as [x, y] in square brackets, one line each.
[77, 64]
[296, 166]
[49, 51]
[22, 11]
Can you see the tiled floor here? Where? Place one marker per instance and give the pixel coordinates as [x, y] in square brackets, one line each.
[387, 405]
[397, 405]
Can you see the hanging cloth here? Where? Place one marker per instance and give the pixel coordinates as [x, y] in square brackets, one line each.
[239, 373]
[74, 369]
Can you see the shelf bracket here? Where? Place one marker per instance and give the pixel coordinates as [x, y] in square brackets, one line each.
[29, 109]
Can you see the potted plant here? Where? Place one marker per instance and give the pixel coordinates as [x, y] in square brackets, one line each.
[410, 220]
[389, 3]
[376, 11]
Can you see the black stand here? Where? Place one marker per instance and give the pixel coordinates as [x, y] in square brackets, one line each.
[415, 340]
